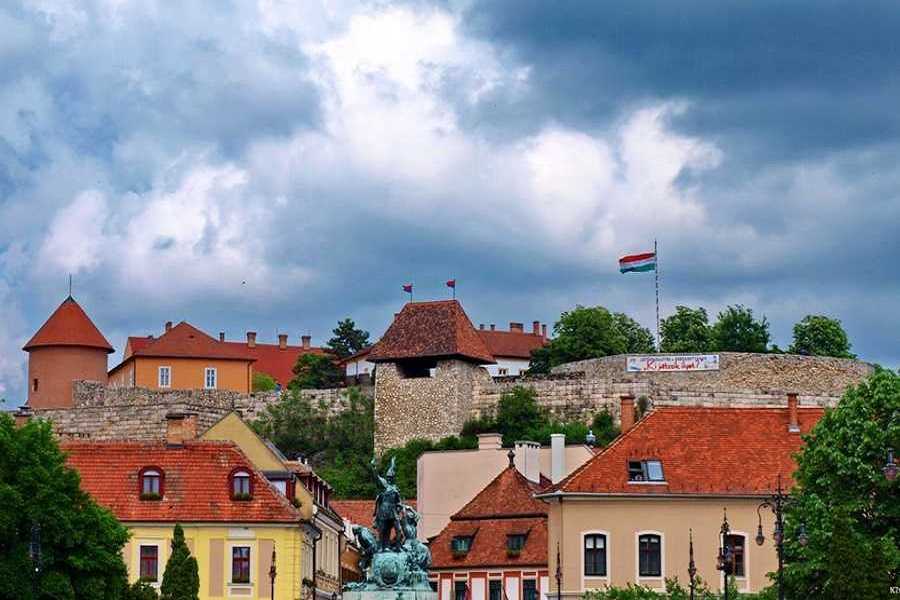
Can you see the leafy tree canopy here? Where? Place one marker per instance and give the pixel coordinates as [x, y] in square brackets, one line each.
[850, 510]
[348, 339]
[316, 371]
[818, 335]
[263, 382]
[590, 332]
[737, 331]
[81, 543]
[687, 330]
[181, 579]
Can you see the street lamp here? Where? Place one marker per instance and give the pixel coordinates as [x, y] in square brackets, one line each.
[890, 467]
[777, 503]
[590, 439]
[692, 567]
[725, 559]
[272, 574]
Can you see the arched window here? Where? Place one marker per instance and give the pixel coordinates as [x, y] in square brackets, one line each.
[152, 483]
[241, 485]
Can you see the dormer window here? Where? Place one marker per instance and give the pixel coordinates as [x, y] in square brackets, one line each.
[151, 483]
[645, 471]
[241, 485]
[461, 544]
[514, 543]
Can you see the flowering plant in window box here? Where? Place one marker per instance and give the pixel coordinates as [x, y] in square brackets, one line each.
[513, 552]
[458, 553]
[151, 496]
[241, 497]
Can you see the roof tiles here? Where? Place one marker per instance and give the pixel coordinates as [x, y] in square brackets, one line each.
[511, 344]
[69, 325]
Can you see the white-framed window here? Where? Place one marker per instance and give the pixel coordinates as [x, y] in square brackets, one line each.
[650, 553]
[164, 377]
[240, 565]
[149, 560]
[210, 378]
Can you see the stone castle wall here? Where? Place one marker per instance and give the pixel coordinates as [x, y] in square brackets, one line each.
[101, 412]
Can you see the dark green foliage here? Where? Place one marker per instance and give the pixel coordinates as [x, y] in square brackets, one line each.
[604, 428]
[348, 339]
[263, 382]
[81, 543]
[140, 590]
[591, 332]
[737, 331]
[850, 510]
[518, 414]
[181, 579]
[674, 591]
[316, 371]
[818, 335]
[687, 330]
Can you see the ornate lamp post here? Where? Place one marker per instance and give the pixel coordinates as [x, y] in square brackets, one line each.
[558, 574]
[725, 559]
[777, 503]
[692, 568]
[272, 574]
[890, 467]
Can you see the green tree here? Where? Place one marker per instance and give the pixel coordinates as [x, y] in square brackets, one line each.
[737, 331]
[638, 340]
[604, 427]
[316, 371]
[181, 579]
[263, 382]
[140, 590]
[518, 414]
[348, 339]
[295, 425]
[850, 510]
[818, 335]
[81, 543]
[687, 330]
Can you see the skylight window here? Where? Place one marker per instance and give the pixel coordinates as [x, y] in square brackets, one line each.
[645, 471]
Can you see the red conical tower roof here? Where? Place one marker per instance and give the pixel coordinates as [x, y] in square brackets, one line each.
[69, 325]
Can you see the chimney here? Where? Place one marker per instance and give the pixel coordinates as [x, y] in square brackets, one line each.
[251, 339]
[282, 341]
[536, 328]
[493, 327]
[490, 441]
[481, 326]
[557, 457]
[528, 460]
[221, 336]
[517, 327]
[180, 428]
[626, 417]
[305, 341]
[544, 330]
[793, 421]
[168, 326]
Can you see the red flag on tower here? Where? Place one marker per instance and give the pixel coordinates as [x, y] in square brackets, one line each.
[407, 287]
[451, 283]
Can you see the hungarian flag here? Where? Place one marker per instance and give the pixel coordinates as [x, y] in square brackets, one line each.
[638, 262]
[407, 287]
[451, 283]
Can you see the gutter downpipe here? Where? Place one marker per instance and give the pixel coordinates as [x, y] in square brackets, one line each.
[316, 539]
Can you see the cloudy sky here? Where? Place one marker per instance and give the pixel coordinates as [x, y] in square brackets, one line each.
[277, 166]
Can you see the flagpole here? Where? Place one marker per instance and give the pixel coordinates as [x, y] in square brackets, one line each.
[656, 273]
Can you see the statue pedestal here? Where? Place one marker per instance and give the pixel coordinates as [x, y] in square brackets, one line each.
[390, 595]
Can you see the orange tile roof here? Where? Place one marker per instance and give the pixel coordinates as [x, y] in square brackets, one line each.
[359, 512]
[69, 325]
[505, 506]
[511, 344]
[703, 451]
[275, 361]
[185, 341]
[431, 330]
[195, 486]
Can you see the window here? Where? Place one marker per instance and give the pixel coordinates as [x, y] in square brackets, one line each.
[503, 372]
[495, 591]
[461, 544]
[151, 482]
[149, 567]
[209, 378]
[34, 385]
[595, 555]
[165, 377]
[529, 590]
[514, 543]
[649, 555]
[645, 470]
[460, 590]
[240, 564]
[736, 567]
[241, 488]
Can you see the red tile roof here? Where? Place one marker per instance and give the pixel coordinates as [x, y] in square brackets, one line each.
[186, 341]
[195, 486]
[275, 361]
[69, 325]
[359, 512]
[506, 506]
[511, 344]
[431, 330]
[719, 451]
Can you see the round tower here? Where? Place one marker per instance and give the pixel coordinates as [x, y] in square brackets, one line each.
[68, 347]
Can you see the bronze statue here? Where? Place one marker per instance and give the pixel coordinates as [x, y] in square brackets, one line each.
[387, 508]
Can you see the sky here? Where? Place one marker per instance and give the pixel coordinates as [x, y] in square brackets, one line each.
[278, 165]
